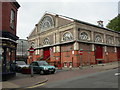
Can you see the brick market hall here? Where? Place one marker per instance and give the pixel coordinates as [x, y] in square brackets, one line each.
[64, 41]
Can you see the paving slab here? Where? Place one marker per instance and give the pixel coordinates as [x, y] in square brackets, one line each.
[23, 81]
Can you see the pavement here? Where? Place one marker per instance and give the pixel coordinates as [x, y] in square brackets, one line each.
[105, 66]
[26, 81]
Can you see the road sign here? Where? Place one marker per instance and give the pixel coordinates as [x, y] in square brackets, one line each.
[80, 52]
[31, 50]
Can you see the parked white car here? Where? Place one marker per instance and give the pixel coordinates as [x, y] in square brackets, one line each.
[20, 65]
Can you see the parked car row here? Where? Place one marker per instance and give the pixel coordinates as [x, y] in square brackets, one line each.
[41, 67]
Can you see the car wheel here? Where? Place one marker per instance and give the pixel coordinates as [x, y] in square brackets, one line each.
[53, 72]
[41, 72]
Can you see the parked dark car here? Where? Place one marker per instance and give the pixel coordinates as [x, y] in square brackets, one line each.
[20, 65]
[42, 67]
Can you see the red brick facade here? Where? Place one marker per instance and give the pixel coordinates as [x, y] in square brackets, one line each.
[68, 37]
[88, 57]
[6, 12]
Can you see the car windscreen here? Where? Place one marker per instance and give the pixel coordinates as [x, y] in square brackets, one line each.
[42, 63]
[20, 62]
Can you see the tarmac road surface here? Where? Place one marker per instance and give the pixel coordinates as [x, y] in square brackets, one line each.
[103, 79]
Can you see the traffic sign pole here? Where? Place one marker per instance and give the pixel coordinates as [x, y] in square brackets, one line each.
[89, 58]
[80, 53]
[31, 51]
[81, 61]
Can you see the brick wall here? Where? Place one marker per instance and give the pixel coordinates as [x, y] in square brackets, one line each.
[68, 55]
[111, 54]
[6, 10]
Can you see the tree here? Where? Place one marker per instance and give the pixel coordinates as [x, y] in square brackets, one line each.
[114, 24]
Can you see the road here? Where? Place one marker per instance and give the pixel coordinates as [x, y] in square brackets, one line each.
[103, 79]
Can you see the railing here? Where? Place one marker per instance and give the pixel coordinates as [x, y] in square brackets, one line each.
[48, 58]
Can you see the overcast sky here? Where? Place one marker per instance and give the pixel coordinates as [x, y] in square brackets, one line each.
[31, 11]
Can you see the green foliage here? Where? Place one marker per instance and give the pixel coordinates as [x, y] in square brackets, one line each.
[114, 24]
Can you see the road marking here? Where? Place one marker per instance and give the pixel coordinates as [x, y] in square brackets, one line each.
[37, 85]
[116, 74]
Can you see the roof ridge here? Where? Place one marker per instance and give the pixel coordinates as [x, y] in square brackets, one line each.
[89, 23]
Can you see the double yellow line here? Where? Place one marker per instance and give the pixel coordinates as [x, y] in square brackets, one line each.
[37, 85]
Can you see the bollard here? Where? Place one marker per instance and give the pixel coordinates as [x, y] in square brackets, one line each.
[70, 67]
[31, 71]
[80, 67]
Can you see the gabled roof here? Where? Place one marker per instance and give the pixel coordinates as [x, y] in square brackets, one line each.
[79, 21]
[75, 20]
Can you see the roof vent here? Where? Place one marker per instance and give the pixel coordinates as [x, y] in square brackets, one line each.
[100, 23]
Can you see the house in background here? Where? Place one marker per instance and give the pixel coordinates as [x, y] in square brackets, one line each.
[71, 42]
[8, 45]
[22, 50]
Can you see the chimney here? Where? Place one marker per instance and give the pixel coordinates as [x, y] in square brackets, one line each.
[100, 23]
[56, 18]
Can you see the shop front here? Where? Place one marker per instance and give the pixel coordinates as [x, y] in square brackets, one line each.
[8, 57]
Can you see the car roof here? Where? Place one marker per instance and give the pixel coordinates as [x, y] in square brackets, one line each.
[39, 61]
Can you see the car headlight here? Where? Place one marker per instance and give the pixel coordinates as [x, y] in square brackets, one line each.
[45, 68]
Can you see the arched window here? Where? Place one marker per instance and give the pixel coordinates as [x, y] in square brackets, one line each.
[83, 36]
[46, 23]
[98, 38]
[32, 44]
[67, 36]
[46, 41]
[110, 40]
